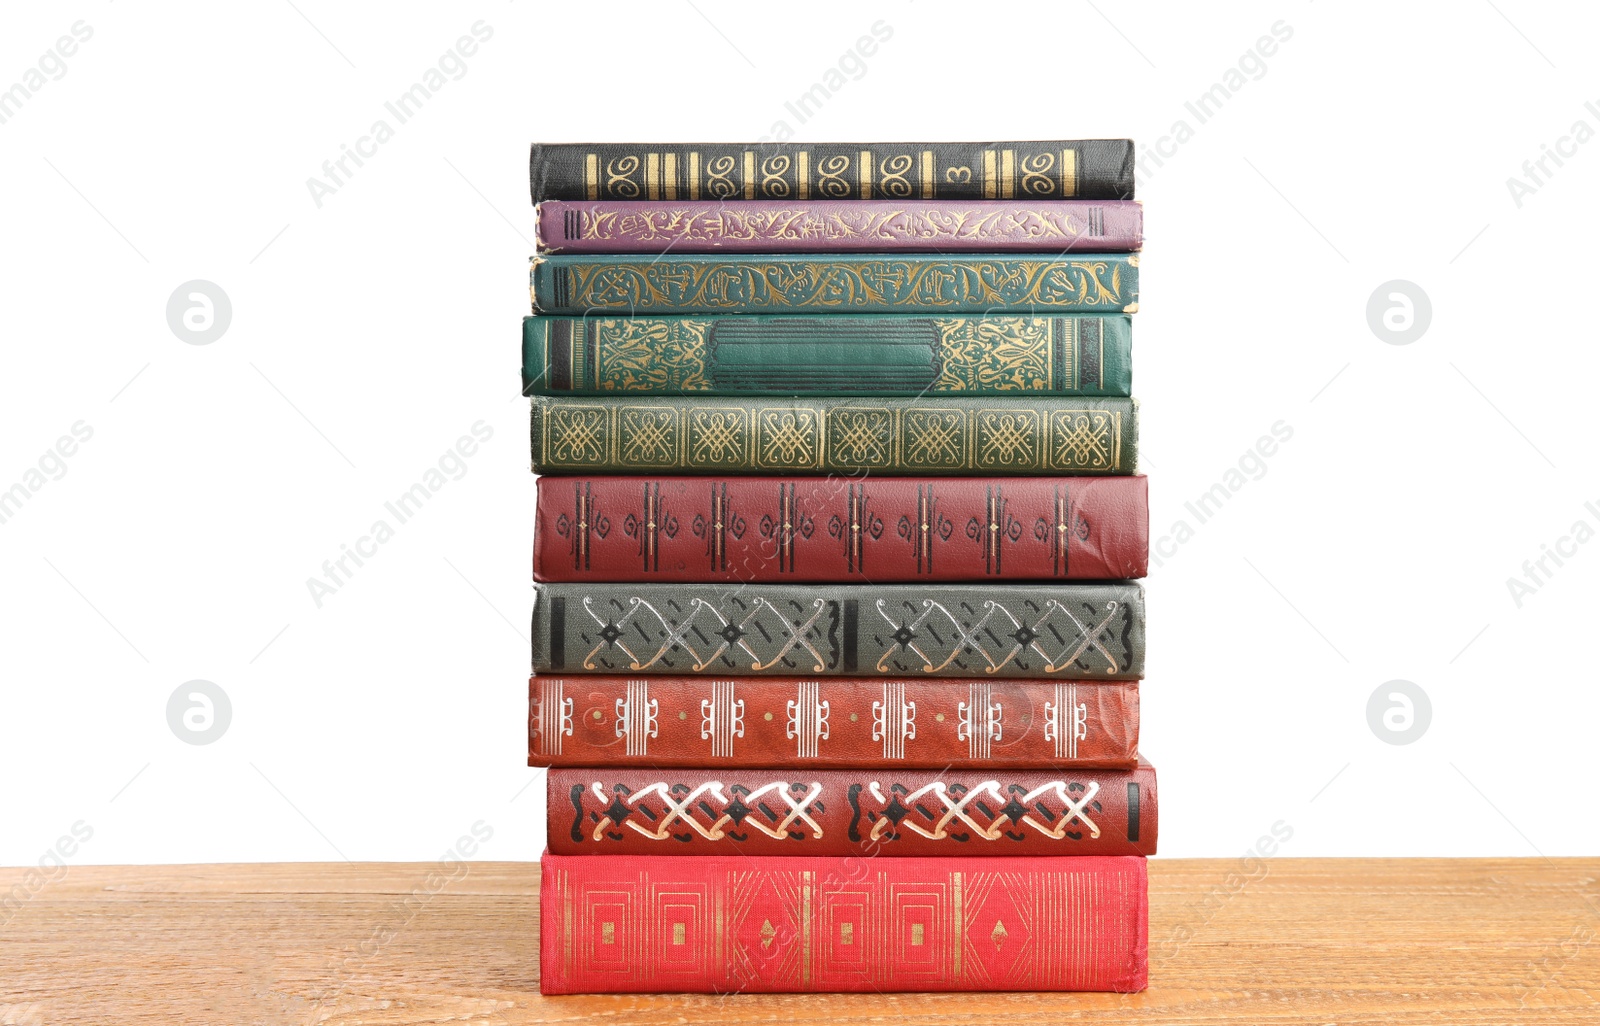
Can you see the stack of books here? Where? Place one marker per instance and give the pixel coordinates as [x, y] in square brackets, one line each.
[837, 638]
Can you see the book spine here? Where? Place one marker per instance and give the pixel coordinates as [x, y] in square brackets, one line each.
[736, 723]
[633, 284]
[990, 631]
[773, 226]
[848, 529]
[885, 354]
[731, 924]
[884, 811]
[940, 436]
[1100, 169]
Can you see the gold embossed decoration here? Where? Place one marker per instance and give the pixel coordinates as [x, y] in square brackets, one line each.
[642, 355]
[788, 439]
[831, 183]
[892, 171]
[1084, 440]
[719, 184]
[844, 284]
[718, 437]
[934, 438]
[994, 354]
[860, 437]
[648, 437]
[925, 436]
[1037, 174]
[1008, 439]
[619, 177]
[847, 223]
[773, 184]
[575, 435]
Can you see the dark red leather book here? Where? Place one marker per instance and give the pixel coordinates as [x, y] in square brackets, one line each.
[831, 722]
[868, 811]
[730, 925]
[840, 529]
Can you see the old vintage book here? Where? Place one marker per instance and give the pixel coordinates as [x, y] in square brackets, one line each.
[1040, 435]
[730, 924]
[838, 354]
[635, 284]
[1017, 631]
[818, 529]
[840, 226]
[1057, 169]
[814, 723]
[867, 812]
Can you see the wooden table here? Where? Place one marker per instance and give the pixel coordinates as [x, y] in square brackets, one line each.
[1283, 941]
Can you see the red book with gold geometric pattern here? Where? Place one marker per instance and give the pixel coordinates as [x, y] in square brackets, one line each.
[733, 924]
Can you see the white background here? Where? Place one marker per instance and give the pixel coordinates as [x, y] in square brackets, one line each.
[370, 332]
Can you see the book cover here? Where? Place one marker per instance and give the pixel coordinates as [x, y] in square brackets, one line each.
[840, 226]
[822, 529]
[736, 924]
[633, 284]
[1055, 169]
[1010, 631]
[864, 812]
[933, 436]
[659, 722]
[838, 354]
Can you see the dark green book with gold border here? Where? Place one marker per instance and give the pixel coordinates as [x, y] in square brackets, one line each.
[882, 354]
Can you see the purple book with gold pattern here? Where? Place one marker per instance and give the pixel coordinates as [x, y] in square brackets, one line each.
[858, 226]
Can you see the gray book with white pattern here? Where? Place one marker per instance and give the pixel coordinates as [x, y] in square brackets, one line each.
[1071, 631]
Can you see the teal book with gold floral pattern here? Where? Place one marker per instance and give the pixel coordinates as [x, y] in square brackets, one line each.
[634, 284]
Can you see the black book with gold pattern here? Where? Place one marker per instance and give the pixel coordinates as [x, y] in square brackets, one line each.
[1054, 169]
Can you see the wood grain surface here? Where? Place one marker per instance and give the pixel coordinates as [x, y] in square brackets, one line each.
[1280, 941]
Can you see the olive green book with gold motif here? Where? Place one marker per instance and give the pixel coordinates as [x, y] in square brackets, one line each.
[876, 354]
[677, 434]
[637, 284]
